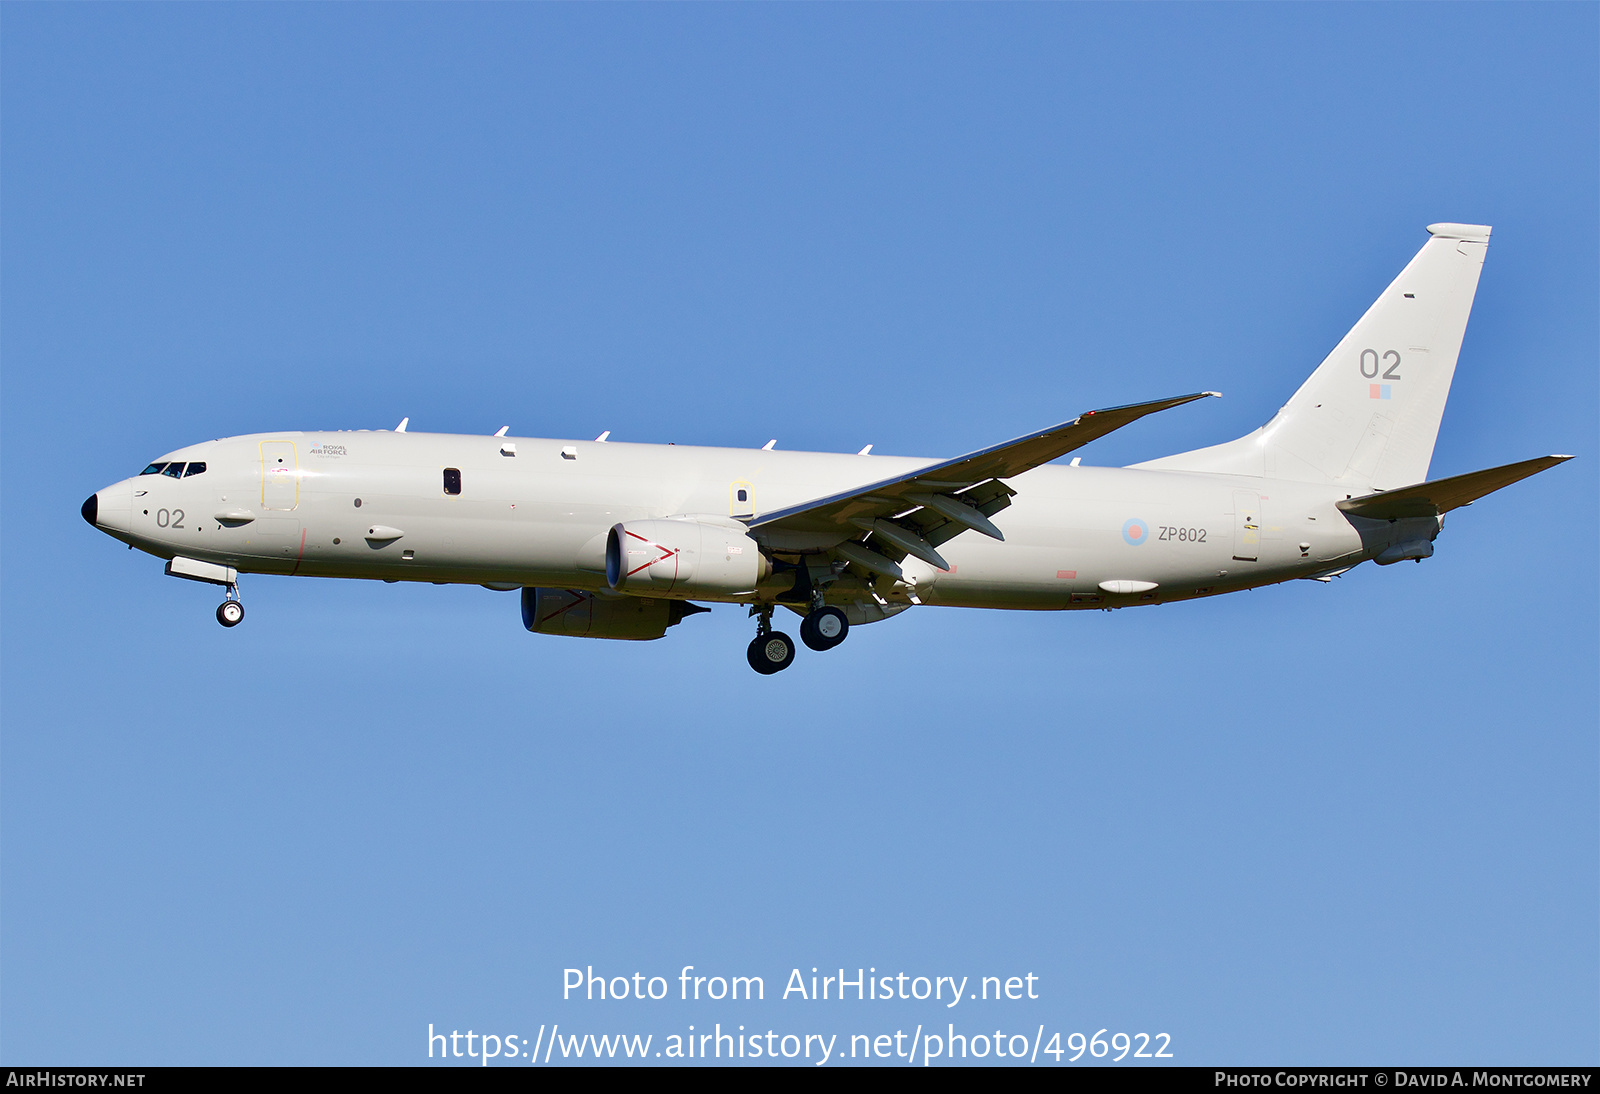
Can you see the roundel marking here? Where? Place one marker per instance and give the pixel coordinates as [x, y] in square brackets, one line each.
[1135, 532]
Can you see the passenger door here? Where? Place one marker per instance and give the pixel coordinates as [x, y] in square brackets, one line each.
[280, 475]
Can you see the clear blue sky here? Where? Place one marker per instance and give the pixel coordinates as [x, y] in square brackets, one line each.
[1353, 823]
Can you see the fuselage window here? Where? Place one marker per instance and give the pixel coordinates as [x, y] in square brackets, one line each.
[175, 470]
[194, 469]
[452, 480]
[744, 495]
[153, 469]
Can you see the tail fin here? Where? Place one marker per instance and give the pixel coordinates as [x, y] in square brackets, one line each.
[1369, 415]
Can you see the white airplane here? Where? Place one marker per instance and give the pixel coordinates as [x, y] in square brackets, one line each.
[612, 540]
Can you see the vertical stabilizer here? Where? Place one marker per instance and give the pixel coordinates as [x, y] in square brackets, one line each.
[1369, 415]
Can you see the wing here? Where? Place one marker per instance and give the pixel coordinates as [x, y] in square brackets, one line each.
[1431, 499]
[916, 512]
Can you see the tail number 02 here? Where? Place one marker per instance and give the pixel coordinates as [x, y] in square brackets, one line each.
[1388, 364]
[169, 519]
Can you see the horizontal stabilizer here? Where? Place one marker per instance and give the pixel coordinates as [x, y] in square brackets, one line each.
[1431, 499]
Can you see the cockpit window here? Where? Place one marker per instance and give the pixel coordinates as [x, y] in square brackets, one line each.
[176, 470]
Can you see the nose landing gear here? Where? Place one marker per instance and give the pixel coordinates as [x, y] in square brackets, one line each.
[230, 613]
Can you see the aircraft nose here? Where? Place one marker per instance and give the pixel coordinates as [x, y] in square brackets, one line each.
[110, 509]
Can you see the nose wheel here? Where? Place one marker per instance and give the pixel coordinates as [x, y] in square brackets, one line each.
[230, 613]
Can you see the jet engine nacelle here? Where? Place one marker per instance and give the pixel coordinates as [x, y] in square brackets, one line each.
[593, 615]
[702, 557]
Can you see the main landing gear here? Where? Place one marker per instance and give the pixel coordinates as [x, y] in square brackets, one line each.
[824, 628]
[773, 651]
[770, 651]
[230, 613]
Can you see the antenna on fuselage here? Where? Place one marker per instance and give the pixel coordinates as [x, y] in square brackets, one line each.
[603, 436]
[768, 446]
[865, 450]
[501, 432]
[401, 428]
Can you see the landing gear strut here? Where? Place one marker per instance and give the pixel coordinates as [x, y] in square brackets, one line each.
[230, 613]
[770, 651]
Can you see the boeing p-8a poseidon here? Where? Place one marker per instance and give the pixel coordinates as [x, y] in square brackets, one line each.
[613, 540]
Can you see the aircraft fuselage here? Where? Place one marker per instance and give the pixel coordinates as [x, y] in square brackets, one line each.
[329, 505]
